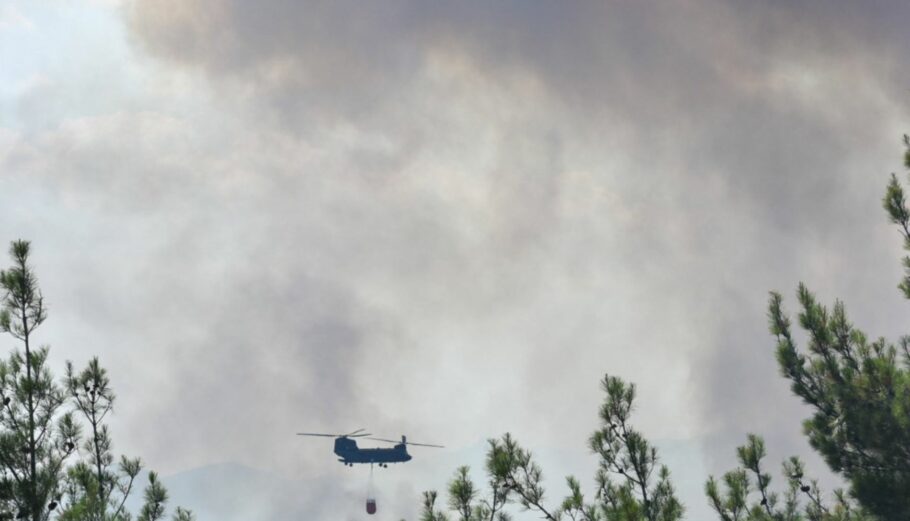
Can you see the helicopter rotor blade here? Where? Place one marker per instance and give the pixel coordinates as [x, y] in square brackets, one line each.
[425, 445]
[385, 440]
[407, 443]
[355, 434]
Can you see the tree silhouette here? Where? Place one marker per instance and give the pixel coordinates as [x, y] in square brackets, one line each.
[859, 388]
[747, 494]
[35, 439]
[47, 468]
[628, 489]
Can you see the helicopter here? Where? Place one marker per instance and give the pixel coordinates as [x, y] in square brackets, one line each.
[349, 453]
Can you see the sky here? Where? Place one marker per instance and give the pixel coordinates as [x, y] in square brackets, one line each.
[447, 220]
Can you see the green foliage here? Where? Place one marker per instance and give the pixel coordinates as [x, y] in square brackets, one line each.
[895, 204]
[429, 512]
[861, 397]
[182, 514]
[461, 498]
[35, 438]
[627, 490]
[94, 487]
[744, 493]
[627, 463]
[859, 388]
[155, 500]
[40, 477]
[23, 305]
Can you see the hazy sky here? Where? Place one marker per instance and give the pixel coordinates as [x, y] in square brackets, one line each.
[447, 219]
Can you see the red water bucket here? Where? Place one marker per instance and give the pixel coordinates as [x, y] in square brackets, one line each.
[371, 506]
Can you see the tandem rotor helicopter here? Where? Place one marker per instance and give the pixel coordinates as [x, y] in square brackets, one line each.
[349, 453]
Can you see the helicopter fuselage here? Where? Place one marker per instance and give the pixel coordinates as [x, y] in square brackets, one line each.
[349, 453]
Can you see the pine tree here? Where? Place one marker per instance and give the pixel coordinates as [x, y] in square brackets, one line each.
[429, 512]
[40, 471]
[861, 395]
[95, 491]
[35, 439]
[155, 500]
[182, 514]
[747, 494]
[627, 463]
[859, 388]
[627, 488]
